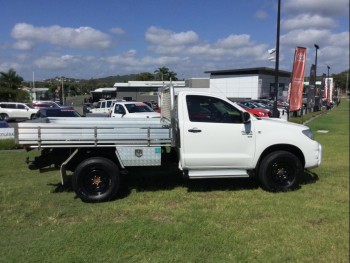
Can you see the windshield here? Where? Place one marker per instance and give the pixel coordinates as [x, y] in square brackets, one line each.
[29, 105]
[138, 107]
[57, 113]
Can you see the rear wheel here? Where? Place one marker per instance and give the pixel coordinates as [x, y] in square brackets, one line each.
[280, 171]
[4, 116]
[96, 180]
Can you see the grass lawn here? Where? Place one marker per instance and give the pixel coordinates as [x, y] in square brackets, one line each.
[160, 218]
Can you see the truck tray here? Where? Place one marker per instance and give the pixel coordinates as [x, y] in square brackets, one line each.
[93, 132]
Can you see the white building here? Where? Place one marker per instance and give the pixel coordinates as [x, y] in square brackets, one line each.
[249, 83]
[235, 84]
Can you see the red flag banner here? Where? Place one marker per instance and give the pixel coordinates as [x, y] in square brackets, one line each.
[297, 84]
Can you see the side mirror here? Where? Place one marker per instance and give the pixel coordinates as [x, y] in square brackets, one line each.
[246, 117]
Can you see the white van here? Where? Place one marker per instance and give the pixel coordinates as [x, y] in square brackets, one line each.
[103, 106]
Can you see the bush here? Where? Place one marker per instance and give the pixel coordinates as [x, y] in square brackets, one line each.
[9, 144]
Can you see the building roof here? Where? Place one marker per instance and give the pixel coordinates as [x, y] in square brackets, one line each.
[149, 84]
[249, 71]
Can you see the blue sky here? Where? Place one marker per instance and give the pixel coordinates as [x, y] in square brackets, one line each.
[93, 39]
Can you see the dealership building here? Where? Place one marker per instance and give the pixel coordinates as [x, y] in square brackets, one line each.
[235, 84]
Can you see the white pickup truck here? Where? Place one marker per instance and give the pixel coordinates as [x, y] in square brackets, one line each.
[211, 136]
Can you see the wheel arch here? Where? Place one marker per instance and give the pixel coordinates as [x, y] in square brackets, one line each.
[85, 153]
[281, 147]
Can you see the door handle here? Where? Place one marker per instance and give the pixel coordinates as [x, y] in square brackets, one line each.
[194, 130]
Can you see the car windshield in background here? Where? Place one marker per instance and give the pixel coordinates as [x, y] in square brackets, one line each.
[30, 105]
[138, 107]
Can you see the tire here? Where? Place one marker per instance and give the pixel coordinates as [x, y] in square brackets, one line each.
[4, 117]
[96, 180]
[32, 116]
[280, 171]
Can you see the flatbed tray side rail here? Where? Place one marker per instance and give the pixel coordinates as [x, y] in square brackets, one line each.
[55, 135]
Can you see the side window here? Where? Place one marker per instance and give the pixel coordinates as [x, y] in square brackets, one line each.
[209, 109]
[109, 103]
[119, 109]
[11, 106]
[103, 104]
[98, 104]
[21, 106]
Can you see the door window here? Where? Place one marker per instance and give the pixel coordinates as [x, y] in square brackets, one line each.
[11, 106]
[210, 109]
[119, 109]
[20, 106]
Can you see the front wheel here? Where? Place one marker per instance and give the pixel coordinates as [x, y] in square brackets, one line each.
[280, 171]
[96, 180]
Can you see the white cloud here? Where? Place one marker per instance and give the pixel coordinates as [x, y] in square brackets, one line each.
[261, 14]
[234, 41]
[308, 21]
[117, 31]
[308, 37]
[27, 36]
[323, 7]
[24, 45]
[163, 37]
[52, 62]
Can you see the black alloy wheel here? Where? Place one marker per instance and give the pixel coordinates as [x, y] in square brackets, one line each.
[280, 171]
[96, 180]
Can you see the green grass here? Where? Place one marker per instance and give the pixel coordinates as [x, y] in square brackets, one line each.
[160, 218]
[307, 117]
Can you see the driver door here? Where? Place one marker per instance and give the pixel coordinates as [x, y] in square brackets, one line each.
[214, 135]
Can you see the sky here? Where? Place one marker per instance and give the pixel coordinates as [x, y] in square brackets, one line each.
[88, 39]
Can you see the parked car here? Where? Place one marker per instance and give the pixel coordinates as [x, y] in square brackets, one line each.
[43, 113]
[16, 110]
[6, 132]
[153, 105]
[103, 106]
[4, 124]
[257, 112]
[40, 104]
[133, 109]
[253, 104]
[87, 107]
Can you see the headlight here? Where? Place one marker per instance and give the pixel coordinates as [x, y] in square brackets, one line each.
[308, 133]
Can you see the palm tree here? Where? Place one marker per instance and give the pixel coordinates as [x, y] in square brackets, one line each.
[162, 72]
[172, 75]
[10, 79]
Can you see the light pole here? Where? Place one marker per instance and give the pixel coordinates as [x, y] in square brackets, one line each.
[317, 47]
[328, 89]
[317, 102]
[275, 112]
[328, 67]
[62, 91]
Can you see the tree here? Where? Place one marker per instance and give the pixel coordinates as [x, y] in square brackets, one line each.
[164, 73]
[10, 83]
[145, 76]
[172, 75]
[341, 80]
[10, 79]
